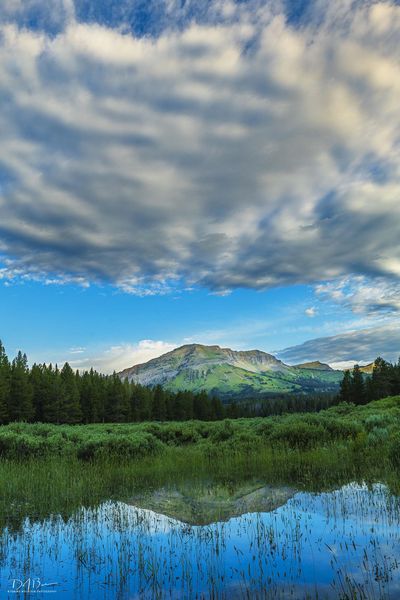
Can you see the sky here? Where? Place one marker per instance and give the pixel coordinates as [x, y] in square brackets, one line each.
[217, 171]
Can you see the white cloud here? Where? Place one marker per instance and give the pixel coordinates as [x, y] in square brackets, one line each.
[345, 364]
[243, 152]
[362, 294]
[311, 311]
[78, 350]
[118, 357]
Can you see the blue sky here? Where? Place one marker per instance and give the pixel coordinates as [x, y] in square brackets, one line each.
[222, 172]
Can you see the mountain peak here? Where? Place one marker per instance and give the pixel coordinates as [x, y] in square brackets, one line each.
[315, 364]
[228, 372]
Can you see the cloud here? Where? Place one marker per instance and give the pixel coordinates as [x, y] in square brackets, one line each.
[118, 357]
[361, 346]
[77, 350]
[363, 295]
[234, 149]
[344, 364]
[311, 312]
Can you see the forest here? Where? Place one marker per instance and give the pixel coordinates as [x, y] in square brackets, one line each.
[49, 394]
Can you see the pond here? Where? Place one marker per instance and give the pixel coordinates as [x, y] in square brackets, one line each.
[206, 541]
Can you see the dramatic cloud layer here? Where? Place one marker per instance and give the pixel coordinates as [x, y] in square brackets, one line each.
[234, 149]
[361, 346]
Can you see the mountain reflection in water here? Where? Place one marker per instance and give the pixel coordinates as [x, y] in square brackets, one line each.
[257, 542]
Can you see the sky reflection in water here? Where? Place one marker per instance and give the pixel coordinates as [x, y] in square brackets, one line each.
[331, 543]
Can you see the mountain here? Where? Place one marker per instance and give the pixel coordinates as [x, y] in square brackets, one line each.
[367, 368]
[316, 365]
[229, 373]
[196, 506]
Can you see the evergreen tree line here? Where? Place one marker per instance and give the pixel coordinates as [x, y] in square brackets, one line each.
[287, 404]
[47, 394]
[358, 388]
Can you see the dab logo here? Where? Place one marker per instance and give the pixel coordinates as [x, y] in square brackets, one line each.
[32, 585]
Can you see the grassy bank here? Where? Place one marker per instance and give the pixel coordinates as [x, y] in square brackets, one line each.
[345, 427]
[55, 469]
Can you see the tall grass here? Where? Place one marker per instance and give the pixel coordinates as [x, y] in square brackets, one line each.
[48, 469]
[355, 427]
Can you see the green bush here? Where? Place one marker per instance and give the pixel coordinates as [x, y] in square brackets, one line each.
[394, 451]
[134, 446]
[222, 431]
[376, 421]
[21, 446]
[299, 434]
[378, 436]
[265, 428]
[176, 434]
[340, 429]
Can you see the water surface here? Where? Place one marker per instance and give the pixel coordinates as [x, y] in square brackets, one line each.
[259, 542]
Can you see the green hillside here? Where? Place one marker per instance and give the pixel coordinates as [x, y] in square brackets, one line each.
[228, 373]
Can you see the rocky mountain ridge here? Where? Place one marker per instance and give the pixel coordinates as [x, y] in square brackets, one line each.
[227, 372]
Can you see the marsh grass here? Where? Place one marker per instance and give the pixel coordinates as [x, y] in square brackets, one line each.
[356, 427]
[41, 487]
[337, 545]
[48, 469]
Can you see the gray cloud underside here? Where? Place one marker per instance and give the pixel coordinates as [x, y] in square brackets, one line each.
[362, 346]
[241, 153]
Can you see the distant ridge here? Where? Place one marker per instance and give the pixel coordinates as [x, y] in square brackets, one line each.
[367, 368]
[227, 372]
[316, 364]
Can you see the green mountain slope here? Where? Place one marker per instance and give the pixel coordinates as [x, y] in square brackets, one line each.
[228, 373]
[314, 365]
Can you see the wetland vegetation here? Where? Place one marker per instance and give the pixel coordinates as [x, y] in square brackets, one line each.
[363, 433]
[185, 523]
[301, 505]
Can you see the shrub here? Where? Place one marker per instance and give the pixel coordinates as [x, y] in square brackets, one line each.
[344, 408]
[265, 429]
[379, 435]
[244, 441]
[21, 446]
[222, 432]
[376, 421]
[299, 434]
[134, 446]
[341, 429]
[394, 451]
[360, 442]
[176, 434]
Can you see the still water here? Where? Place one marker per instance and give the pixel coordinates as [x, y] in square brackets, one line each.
[271, 543]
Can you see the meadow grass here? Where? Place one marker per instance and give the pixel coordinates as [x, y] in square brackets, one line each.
[83, 475]
[355, 427]
[48, 469]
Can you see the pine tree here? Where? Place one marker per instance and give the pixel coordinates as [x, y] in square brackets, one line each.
[117, 406]
[70, 409]
[381, 379]
[358, 390]
[36, 378]
[5, 377]
[346, 387]
[217, 408]
[86, 392]
[178, 406]
[159, 409]
[51, 394]
[20, 406]
[142, 400]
